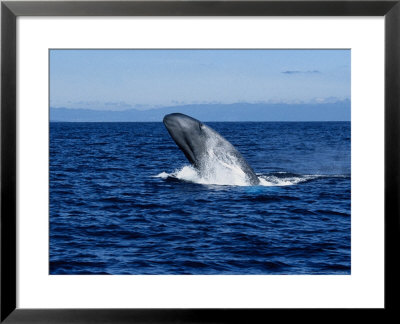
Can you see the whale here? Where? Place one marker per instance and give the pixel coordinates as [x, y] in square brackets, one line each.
[205, 148]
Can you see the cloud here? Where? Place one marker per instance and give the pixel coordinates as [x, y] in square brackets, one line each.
[301, 72]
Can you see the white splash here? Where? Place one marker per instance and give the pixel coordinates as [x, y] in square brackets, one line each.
[223, 177]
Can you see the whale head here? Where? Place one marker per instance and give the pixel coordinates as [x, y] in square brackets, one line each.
[188, 133]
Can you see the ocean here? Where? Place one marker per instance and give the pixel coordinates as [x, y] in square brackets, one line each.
[124, 200]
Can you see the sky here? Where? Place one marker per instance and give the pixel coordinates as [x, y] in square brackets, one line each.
[146, 79]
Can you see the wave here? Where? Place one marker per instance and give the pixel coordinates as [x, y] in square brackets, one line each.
[276, 179]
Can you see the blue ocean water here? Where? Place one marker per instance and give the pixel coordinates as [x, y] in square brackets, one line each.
[124, 200]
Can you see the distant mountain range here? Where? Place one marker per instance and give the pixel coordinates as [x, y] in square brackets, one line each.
[338, 111]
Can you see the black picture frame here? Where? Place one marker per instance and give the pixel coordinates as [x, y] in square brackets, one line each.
[10, 10]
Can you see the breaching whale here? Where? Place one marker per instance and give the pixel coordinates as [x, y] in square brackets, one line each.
[204, 147]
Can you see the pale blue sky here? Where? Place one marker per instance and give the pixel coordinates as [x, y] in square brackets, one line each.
[124, 79]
